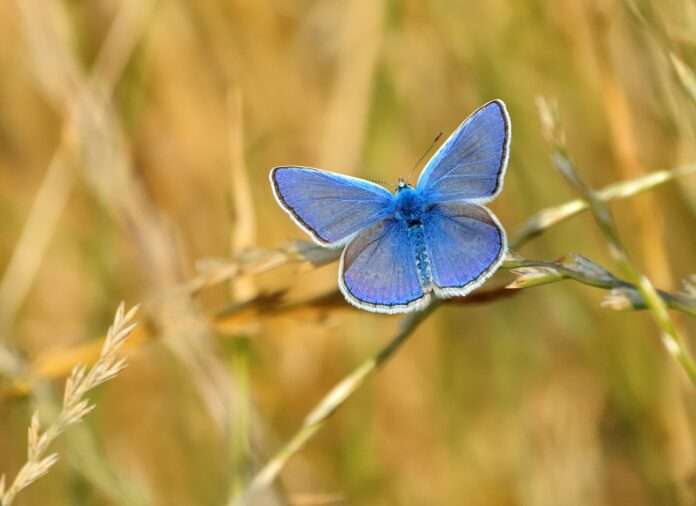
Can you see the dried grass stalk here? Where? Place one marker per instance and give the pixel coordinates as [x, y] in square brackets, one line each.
[75, 406]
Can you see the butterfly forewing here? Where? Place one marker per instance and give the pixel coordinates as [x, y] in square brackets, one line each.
[329, 207]
[471, 164]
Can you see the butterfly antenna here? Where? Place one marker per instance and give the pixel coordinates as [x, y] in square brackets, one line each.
[432, 145]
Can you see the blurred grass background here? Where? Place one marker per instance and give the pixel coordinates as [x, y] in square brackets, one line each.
[539, 399]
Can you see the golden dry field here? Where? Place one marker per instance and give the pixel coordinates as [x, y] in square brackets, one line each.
[136, 139]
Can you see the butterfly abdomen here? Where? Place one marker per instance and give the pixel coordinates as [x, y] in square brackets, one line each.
[410, 209]
[420, 251]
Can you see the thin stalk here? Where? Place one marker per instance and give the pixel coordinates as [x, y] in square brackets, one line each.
[546, 218]
[333, 400]
[674, 342]
[623, 295]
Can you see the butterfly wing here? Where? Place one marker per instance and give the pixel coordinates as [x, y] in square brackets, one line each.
[466, 245]
[471, 164]
[330, 207]
[378, 270]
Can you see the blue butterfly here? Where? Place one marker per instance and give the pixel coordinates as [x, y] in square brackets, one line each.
[432, 239]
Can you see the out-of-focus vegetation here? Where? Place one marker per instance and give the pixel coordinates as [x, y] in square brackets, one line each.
[135, 142]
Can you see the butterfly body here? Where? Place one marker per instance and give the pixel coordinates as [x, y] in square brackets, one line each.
[411, 210]
[431, 239]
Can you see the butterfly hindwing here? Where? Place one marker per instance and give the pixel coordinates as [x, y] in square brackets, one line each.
[378, 270]
[466, 245]
[471, 164]
[330, 207]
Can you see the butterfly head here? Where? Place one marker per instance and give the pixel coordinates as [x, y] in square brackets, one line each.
[402, 185]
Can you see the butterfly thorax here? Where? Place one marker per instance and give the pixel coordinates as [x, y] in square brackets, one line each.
[409, 205]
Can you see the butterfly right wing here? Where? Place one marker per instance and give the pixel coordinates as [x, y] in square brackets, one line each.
[330, 207]
[471, 164]
[378, 270]
[466, 245]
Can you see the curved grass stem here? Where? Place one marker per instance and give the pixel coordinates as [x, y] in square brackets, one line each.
[622, 295]
[333, 400]
[550, 216]
[674, 342]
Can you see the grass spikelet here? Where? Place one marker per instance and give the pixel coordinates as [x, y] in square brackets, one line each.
[675, 343]
[617, 299]
[75, 406]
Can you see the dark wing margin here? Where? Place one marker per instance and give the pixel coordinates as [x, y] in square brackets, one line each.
[329, 207]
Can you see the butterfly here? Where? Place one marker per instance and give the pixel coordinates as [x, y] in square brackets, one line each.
[432, 239]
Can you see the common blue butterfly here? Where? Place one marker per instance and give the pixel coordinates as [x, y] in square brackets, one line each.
[432, 239]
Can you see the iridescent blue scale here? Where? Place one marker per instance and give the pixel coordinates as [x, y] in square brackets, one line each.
[432, 239]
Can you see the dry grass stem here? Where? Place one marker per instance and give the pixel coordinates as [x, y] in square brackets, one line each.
[333, 400]
[674, 342]
[547, 218]
[623, 294]
[75, 407]
[244, 216]
[81, 98]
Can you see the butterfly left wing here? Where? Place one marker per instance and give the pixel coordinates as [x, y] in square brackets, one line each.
[378, 271]
[330, 207]
[466, 245]
[470, 165]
